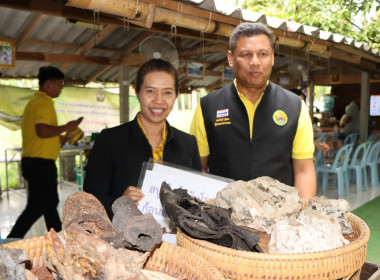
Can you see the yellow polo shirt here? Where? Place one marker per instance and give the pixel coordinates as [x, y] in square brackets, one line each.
[158, 155]
[40, 109]
[303, 145]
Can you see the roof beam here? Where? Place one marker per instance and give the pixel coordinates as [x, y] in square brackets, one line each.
[215, 64]
[64, 58]
[175, 6]
[216, 48]
[55, 9]
[334, 61]
[55, 44]
[91, 43]
[28, 29]
[128, 50]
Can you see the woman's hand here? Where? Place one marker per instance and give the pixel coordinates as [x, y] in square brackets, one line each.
[135, 193]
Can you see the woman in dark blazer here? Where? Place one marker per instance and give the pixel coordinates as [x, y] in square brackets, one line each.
[116, 159]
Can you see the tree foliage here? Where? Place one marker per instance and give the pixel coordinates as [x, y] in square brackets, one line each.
[358, 19]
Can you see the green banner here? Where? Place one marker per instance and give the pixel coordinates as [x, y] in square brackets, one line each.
[99, 107]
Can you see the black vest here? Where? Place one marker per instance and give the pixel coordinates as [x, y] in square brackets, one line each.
[233, 153]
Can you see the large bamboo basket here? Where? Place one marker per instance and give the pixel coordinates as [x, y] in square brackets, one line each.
[342, 262]
[167, 258]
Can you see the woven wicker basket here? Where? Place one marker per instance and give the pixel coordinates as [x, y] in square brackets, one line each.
[181, 263]
[169, 259]
[338, 263]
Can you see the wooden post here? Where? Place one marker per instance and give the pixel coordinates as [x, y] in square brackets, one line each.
[364, 107]
[124, 93]
[311, 97]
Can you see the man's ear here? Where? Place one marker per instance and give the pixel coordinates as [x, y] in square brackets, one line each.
[46, 85]
[272, 57]
[230, 58]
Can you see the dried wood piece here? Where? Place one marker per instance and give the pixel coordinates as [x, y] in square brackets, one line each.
[205, 221]
[140, 231]
[12, 263]
[86, 210]
[259, 203]
[312, 231]
[77, 254]
[335, 208]
[42, 273]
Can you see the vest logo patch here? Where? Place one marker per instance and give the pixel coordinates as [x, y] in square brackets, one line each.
[222, 113]
[280, 118]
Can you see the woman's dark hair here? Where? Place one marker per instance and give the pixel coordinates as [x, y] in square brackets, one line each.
[155, 65]
[49, 73]
[250, 29]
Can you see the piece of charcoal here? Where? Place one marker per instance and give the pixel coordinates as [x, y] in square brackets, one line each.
[205, 221]
[140, 231]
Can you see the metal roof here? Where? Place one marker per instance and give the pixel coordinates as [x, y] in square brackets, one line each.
[43, 36]
[276, 23]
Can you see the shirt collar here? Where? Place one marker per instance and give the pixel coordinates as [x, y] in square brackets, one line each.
[242, 96]
[43, 93]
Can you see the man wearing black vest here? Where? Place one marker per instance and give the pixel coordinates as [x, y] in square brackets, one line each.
[252, 127]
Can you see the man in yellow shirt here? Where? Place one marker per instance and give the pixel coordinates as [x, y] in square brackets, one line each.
[253, 127]
[41, 142]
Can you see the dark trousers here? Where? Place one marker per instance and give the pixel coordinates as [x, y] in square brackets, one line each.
[41, 175]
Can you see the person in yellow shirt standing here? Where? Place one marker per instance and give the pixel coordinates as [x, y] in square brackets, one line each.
[253, 127]
[41, 142]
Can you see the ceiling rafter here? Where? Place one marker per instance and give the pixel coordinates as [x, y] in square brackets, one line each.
[56, 44]
[176, 6]
[55, 9]
[98, 37]
[63, 58]
[128, 50]
[215, 64]
[37, 18]
[200, 50]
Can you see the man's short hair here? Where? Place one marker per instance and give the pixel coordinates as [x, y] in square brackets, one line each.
[249, 29]
[49, 73]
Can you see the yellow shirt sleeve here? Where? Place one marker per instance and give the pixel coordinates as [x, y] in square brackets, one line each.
[303, 144]
[45, 113]
[198, 129]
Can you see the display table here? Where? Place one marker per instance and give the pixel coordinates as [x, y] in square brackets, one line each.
[13, 154]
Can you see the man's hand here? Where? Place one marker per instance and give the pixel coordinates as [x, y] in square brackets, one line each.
[322, 146]
[72, 125]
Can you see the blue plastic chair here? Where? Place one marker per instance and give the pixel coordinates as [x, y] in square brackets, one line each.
[339, 167]
[349, 139]
[318, 153]
[372, 162]
[322, 138]
[374, 137]
[357, 165]
[319, 157]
